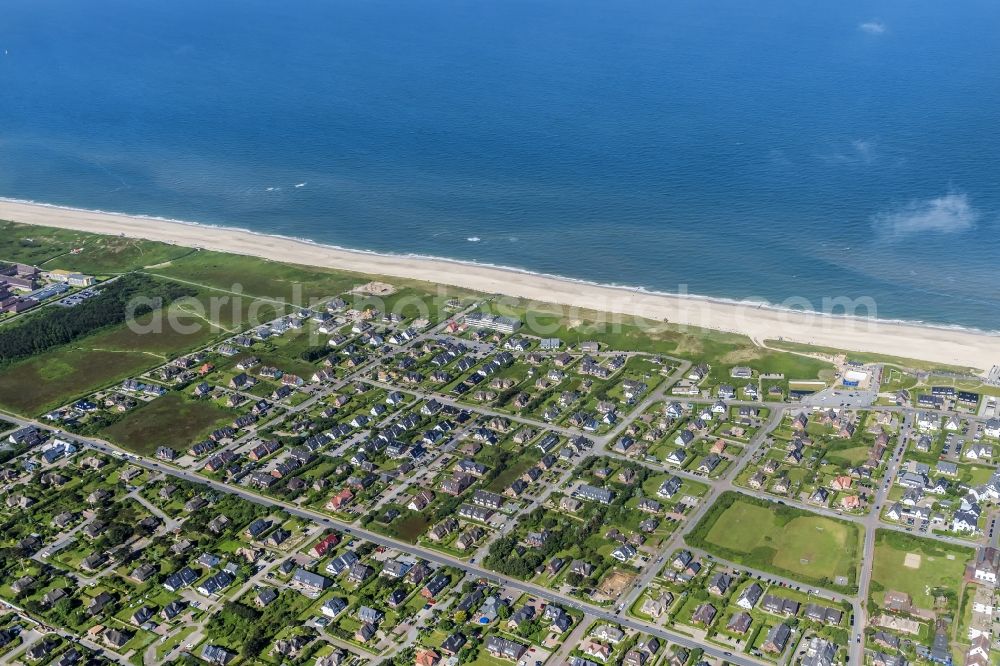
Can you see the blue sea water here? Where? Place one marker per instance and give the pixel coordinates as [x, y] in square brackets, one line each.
[727, 148]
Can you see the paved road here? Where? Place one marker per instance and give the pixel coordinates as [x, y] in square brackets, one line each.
[429, 555]
[37, 630]
[676, 540]
[717, 487]
[871, 523]
[602, 444]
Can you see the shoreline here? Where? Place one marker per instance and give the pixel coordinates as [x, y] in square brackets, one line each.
[952, 345]
[721, 300]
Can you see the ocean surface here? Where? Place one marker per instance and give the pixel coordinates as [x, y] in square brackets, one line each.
[777, 151]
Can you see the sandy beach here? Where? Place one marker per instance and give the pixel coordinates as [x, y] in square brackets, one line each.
[941, 345]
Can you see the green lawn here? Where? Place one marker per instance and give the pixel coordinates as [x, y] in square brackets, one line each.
[407, 527]
[512, 471]
[852, 456]
[939, 566]
[173, 420]
[484, 659]
[157, 337]
[781, 539]
[894, 380]
[259, 277]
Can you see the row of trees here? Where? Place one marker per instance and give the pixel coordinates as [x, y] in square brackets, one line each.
[57, 326]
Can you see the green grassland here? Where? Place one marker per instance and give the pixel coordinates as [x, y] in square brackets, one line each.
[865, 357]
[173, 420]
[51, 248]
[249, 281]
[973, 385]
[285, 351]
[940, 569]
[784, 540]
[108, 355]
[722, 350]
[298, 285]
[44, 382]
[894, 380]
[259, 277]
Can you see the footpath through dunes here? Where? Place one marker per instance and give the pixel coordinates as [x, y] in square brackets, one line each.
[947, 346]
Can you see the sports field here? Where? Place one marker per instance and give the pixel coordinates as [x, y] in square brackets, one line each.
[783, 540]
[918, 567]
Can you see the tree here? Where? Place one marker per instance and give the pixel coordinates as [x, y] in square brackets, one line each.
[528, 628]
[51, 327]
[254, 646]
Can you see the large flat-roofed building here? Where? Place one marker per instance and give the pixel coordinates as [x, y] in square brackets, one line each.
[71, 278]
[19, 276]
[14, 304]
[493, 322]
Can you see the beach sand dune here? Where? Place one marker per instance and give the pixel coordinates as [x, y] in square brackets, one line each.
[941, 345]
